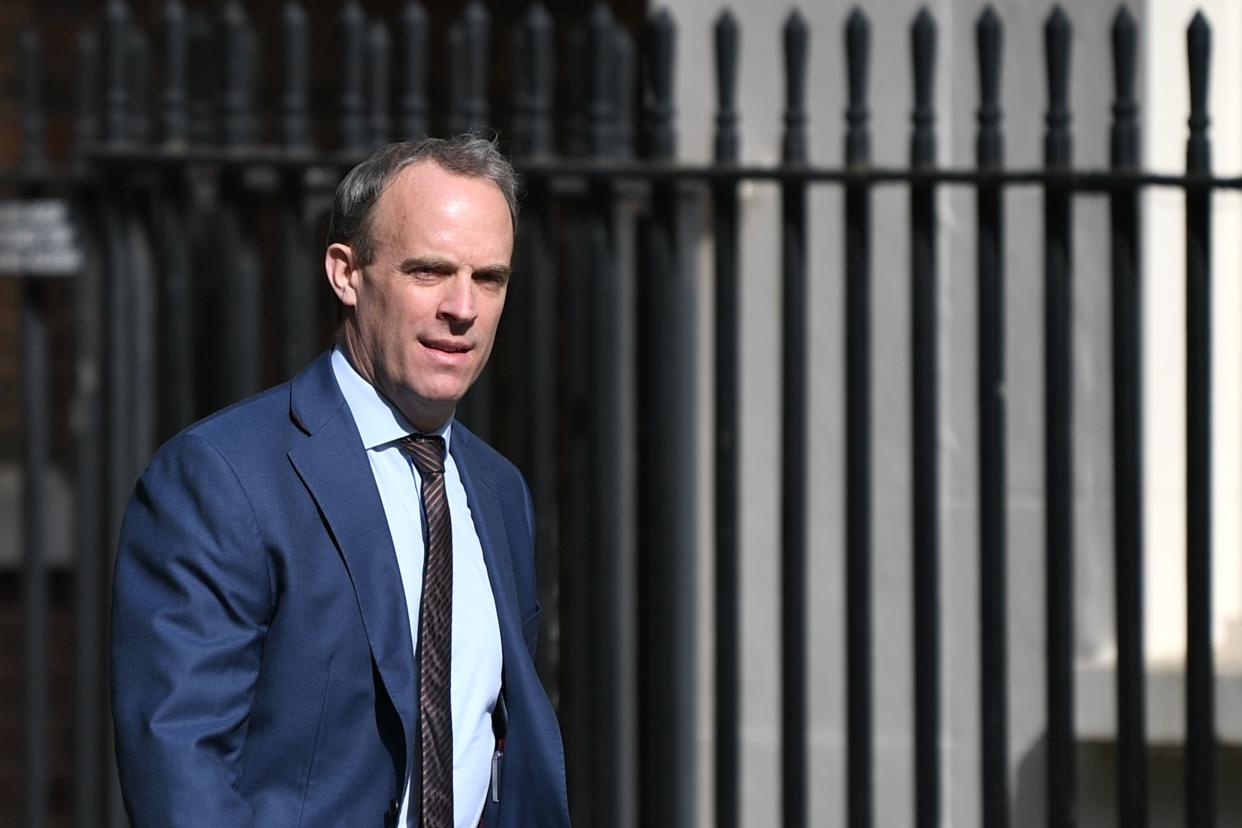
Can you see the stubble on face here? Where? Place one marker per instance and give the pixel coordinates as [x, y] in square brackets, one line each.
[425, 309]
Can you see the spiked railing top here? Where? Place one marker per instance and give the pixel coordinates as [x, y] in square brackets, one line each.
[295, 98]
[988, 37]
[1125, 129]
[857, 115]
[728, 144]
[1198, 53]
[659, 38]
[175, 99]
[532, 83]
[1057, 142]
[923, 41]
[797, 37]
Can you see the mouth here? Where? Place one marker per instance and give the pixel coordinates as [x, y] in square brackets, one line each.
[448, 347]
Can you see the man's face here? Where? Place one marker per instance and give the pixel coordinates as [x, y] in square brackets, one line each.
[425, 310]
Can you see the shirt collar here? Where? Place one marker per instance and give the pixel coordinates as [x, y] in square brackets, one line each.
[379, 421]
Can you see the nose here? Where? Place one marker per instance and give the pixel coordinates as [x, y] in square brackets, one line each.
[458, 302]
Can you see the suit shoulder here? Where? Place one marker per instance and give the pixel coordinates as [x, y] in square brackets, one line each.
[252, 425]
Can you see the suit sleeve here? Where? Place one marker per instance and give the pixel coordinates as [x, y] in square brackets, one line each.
[192, 597]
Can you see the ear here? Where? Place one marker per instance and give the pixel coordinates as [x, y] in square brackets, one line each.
[338, 263]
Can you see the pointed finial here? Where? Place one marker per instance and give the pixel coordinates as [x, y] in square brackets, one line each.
[295, 97]
[175, 114]
[1125, 129]
[1057, 141]
[116, 95]
[988, 41]
[86, 99]
[923, 41]
[599, 44]
[797, 36]
[659, 38]
[533, 52]
[34, 151]
[1198, 53]
[857, 115]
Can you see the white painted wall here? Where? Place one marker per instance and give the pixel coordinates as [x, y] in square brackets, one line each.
[1166, 109]
[760, 101]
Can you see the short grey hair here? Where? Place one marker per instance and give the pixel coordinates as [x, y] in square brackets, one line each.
[360, 190]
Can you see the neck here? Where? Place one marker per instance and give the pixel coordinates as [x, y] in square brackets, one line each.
[423, 419]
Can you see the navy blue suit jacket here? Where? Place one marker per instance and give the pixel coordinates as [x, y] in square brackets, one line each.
[262, 667]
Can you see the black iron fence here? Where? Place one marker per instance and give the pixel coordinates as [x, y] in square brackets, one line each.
[193, 213]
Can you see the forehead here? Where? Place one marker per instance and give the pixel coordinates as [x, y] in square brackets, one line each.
[425, 200]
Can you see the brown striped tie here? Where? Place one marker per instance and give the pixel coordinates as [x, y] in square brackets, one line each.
[435, 636]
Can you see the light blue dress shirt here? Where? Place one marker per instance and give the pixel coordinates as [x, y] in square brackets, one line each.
[475, 672]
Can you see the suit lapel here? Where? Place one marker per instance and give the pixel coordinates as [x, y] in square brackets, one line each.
[334, 467]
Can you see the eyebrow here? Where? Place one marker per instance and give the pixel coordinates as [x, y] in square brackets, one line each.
[439, 265]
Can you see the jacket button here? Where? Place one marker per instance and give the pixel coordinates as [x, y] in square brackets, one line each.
[394, 808]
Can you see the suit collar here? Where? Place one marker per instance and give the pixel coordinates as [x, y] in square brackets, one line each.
[314, 396]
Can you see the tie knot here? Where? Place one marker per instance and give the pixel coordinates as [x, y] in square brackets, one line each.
[427, 452]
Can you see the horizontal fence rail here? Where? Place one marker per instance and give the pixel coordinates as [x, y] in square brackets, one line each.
[198, 209]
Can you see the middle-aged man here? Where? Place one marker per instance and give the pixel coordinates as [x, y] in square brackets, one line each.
[320, 615]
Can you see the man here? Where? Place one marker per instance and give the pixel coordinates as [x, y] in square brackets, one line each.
[282, 652]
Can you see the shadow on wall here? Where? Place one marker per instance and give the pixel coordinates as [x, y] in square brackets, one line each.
[1097, 775]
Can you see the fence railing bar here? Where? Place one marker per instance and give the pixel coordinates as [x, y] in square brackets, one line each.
[794, 419]
[667, 302]
[119, 378]
[1200, 692]
[1127, 438]
[534, 52]
[728, 437]
[925, 543]
[174, 354]
[613, 168]
[88, 640]
[599, 659]
[993, 591]
[1062, 785]
[35, 415]
[34, 339]
[858, 428]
